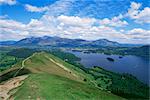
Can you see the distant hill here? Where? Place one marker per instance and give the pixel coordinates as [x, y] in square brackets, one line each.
[139, 51]
[105, 42]
[51, 41]
[64, 42]
[7, 42]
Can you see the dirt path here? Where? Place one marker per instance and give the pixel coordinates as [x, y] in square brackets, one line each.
[6, 87]
[12, 83]
[62, 66]
[23, 64]
[9, 85]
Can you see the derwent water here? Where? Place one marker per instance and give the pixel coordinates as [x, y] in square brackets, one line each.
[134, 65]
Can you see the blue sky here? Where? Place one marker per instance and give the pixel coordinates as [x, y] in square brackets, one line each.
[19, 13]
[125, 21]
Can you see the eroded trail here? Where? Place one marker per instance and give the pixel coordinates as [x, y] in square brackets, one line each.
[61, 66]
[23, 64]
[54, 67]
[6, 87]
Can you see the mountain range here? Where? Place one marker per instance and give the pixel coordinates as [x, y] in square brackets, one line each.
[63, 42]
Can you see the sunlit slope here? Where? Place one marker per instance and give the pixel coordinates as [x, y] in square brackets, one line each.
[45, 63]
[54, 79]
[46, 86]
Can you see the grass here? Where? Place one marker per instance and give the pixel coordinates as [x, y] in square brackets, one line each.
[124, 85]
[47, 86]
[7, 61]
[47, 80]
[39, 63]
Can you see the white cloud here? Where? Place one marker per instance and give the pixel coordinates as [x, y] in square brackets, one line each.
[11, 24]
[10, 29]
[138, 35]
[57, 8]
[35, 9]
[115, 21]
[64, 7]
[134, 12]
[35, 23]
[60, 7]
[143, 16]
[140, 16]
[76, 21]
[58, 26]
[9, 2]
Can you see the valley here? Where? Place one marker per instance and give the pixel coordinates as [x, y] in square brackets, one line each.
[136, 65]
[47, 70]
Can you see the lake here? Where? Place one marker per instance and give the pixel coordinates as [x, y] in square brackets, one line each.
[134, 65]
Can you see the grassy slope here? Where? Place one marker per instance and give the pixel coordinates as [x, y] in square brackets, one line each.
[48, 80]
[41, 63]
[124, 85]
[46, 86]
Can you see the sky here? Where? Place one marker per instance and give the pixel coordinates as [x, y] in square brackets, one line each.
[124, 21]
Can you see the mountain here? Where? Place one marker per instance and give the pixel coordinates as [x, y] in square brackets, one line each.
[7, 42]
[105, 42]
[50, 41]
[64, 42]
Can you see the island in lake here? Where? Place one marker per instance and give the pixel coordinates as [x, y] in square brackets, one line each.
[110, 59]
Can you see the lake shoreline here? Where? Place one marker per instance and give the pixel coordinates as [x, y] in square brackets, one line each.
[134, 65]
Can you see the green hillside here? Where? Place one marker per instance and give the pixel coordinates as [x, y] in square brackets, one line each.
[45, 86]
[51, 77]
